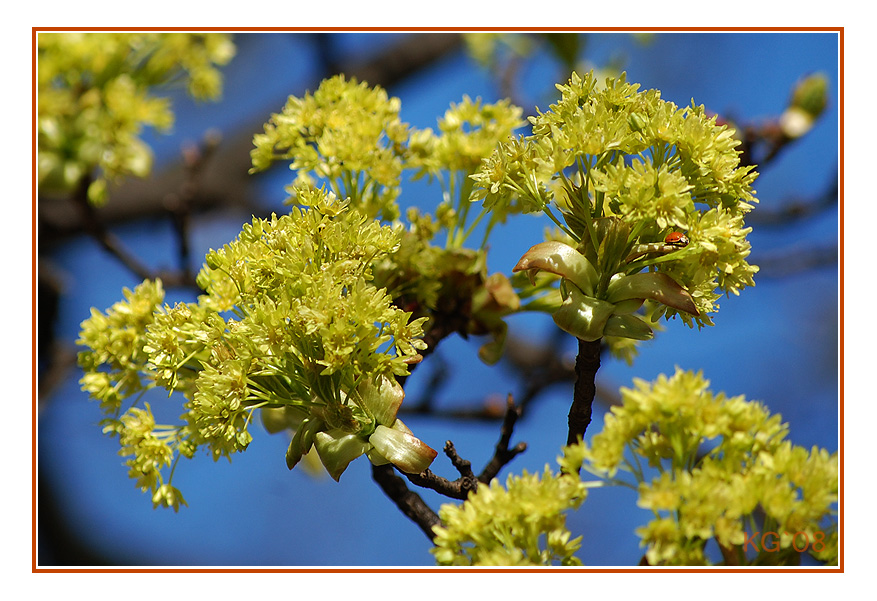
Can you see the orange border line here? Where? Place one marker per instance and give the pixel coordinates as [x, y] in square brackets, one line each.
[656, 570]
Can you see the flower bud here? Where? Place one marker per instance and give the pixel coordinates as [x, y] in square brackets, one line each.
[583, 316]
[636, 122]
[302, 441]
[404, 450]
[563, 260]
[337, 448]
[628, 326]
[809, 99]
[382, 399]
[654, 286]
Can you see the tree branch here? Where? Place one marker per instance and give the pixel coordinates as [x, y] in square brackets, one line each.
[587, 364]
[503, 454]
[467, 482]
[97, 230]
[455, 489]
[413, 506]
[538, 366]
[408, 502]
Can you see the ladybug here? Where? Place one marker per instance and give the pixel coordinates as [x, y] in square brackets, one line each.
[677, 239]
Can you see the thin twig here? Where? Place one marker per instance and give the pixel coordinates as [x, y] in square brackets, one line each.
[468, 482]
[454, 489]
[503, 454]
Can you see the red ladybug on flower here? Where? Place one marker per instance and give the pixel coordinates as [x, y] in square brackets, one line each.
[676, 239]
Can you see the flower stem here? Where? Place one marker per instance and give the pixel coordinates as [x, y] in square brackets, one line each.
[587, 364]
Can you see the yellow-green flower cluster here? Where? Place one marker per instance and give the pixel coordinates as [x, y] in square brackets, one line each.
[625, 169]
[722, 462]
[468, 132]
[96, 93]
[304, 279]
[725, 472]
[291, 320]
[311, 315]
[115, 360]
[521, 524]
[151, 448]
[116, 366]
[347, 135]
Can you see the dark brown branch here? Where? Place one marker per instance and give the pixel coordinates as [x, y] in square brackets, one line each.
[408, 502]
[463, 466]
[503, 454]
[97, 230]
[587, 364]
[413, 506]
[762, 143]
[729, 554]
[467, 482]
[454, 489]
